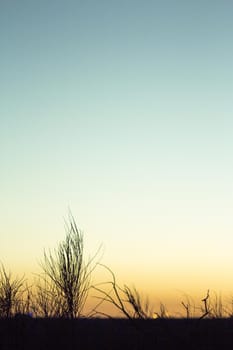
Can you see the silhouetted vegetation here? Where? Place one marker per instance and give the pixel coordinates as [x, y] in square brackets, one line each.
[11, 292]
[67, 277]
[52, 310]
[125, 299]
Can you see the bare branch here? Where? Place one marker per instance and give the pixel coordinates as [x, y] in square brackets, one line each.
[121, 297]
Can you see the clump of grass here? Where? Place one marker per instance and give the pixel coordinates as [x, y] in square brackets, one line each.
[11, 291]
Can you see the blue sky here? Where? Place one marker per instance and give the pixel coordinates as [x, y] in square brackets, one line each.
[122, 111]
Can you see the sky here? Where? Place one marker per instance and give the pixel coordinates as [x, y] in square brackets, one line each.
[122, 112]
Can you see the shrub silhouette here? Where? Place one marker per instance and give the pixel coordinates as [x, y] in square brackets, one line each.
[67, 276]
[125, 299]
[46, 300]
[10, 293]
[63, 287]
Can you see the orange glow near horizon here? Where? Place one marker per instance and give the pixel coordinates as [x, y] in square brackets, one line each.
[159, 285]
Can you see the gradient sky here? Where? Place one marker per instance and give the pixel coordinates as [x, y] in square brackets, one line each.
[122, 111]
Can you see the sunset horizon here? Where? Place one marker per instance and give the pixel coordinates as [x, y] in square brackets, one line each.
[121, 113]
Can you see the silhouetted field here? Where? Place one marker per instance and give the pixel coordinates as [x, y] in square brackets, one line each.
[110, 334]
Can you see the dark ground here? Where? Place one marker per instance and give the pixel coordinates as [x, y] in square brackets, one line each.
[111, 334]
